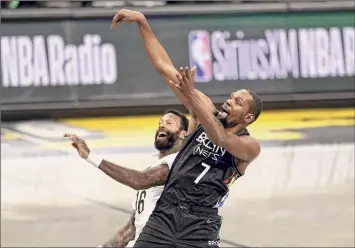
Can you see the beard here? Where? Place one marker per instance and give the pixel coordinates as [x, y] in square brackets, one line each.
[163, 144]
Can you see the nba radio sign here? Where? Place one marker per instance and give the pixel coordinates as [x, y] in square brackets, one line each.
[275, 54]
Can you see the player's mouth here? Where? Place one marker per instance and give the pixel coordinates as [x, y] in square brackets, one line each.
[162, 135]
[225, 109]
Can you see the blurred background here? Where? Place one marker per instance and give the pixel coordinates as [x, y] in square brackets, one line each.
[64, 71]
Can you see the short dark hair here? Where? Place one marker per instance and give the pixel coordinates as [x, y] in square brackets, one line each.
[184, 124]
[256, 105]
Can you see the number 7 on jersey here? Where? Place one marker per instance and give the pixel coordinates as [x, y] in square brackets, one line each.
[207, 167]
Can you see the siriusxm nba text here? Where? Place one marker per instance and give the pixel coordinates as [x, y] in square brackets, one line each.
[274, 54]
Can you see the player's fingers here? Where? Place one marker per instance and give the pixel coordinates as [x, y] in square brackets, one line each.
[70, 136]
[80, 140]
[116, 19]
[178, 87]
[179, 77]
[175, 85]
[74, 145]
[183, 74]
[74, 138]
[187, 73]
[193, 71]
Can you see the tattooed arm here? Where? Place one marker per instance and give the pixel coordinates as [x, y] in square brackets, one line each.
[137, 180]
[123, 236]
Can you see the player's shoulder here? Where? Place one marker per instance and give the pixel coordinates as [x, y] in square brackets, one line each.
[170, 156]
[169, 159]
[249, 138]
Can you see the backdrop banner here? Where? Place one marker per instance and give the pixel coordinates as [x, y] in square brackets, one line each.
[83, 61]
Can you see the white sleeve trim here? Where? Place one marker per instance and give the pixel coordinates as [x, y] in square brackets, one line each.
[169, 160]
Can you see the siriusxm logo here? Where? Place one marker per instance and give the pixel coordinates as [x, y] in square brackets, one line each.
[225, 55]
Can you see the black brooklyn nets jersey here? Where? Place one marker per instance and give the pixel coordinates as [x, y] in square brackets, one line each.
[202, 172]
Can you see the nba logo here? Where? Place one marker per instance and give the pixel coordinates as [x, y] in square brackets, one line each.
[200, 55]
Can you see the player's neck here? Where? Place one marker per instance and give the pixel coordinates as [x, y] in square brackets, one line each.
[174, 149]
[237, 129]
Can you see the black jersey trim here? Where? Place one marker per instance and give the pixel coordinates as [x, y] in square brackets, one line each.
[236, 167]
[193, 132]
[243, 133]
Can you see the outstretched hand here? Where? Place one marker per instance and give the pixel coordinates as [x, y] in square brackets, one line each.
[126, 16]
[186, 79]
[79, 144]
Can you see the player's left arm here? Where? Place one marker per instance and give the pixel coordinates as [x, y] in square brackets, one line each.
[124, 235]
[245, 148]
[193, 123]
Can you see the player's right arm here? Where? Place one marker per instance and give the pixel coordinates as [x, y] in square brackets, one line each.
[124, 235]
[158, 56]
[137, 180]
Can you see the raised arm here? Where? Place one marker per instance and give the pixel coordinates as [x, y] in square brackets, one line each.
[157, 54]
[134, 179]
[124, 235]
[194, 121]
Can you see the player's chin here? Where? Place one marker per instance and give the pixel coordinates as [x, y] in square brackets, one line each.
[162, 143]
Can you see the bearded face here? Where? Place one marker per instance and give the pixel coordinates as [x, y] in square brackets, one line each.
[165, 139]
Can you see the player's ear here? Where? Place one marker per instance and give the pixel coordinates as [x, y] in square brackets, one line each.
[249, 118]
[182, 134]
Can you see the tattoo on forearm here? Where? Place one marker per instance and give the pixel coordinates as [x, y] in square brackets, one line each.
[123, 236]
[155, 176]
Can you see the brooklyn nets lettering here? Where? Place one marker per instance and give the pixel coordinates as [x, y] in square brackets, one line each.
[207, 149]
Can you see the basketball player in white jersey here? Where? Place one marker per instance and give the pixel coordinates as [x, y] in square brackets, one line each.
[149, 183]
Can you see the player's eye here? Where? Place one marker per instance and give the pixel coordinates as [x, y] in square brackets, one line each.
[238, 101]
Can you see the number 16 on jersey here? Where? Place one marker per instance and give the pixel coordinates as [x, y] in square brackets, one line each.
[140, 201]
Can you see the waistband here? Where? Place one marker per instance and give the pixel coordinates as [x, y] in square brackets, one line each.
[188, 207]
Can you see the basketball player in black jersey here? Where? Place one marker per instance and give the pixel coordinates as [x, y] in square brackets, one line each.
[216, 152]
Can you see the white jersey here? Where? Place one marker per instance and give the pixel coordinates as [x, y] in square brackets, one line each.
[146, 199]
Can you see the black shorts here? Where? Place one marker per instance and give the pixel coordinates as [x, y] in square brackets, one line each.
[174, 224]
